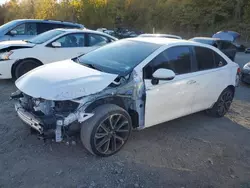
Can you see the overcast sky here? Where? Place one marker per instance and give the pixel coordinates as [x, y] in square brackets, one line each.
[2, 1]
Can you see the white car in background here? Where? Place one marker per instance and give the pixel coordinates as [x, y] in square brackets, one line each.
[19, 57]
[161, 35]
[130, 84]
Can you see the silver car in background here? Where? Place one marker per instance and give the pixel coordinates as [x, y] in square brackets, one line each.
[27, 28]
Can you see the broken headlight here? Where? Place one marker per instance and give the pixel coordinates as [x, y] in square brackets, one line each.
[5, 55]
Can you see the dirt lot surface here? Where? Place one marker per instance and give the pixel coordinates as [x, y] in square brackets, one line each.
[194, 151]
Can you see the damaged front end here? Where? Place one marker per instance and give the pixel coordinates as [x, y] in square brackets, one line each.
[49, 118]
[59, 119]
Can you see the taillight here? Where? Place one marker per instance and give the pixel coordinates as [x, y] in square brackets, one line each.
[238, 70]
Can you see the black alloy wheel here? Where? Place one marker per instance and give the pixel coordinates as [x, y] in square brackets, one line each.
[111, 134]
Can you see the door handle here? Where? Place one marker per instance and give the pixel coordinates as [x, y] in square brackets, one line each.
[191, 82]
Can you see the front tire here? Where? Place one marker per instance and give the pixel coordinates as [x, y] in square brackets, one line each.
[107, 131]
[25, 66]
[223, 103]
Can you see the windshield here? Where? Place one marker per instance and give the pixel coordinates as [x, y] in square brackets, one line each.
[118, 57]
[44, 37]
[8, 25]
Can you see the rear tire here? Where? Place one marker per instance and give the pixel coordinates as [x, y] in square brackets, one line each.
[25, 66]
[221, 107]
[107, 131]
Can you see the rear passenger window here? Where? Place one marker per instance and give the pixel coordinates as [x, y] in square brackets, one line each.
[205, 58]
[97, 40]
[43, 27]
[177, 59]
[219, 61]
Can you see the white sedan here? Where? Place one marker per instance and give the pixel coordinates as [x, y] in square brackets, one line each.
[19, 57]
[129, 84]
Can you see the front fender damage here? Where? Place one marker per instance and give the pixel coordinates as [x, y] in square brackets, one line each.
[129, 93]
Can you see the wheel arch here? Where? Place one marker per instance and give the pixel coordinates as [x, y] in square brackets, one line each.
[231, 87]
[119, 101]
[13, 68]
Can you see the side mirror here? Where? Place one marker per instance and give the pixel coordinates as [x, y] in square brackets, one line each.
[162, 74]
[56, 44]
[13, 32]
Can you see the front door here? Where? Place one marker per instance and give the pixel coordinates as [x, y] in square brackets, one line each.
[72, 45]
[168, 100]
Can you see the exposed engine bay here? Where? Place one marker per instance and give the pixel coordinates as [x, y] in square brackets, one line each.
[59, 117]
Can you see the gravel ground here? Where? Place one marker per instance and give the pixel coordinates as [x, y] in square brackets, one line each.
[194, 151]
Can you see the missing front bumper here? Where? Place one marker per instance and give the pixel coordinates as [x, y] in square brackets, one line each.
[28, 118]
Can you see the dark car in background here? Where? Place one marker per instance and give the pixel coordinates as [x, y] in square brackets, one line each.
[227, 47]
[247, 50]
[27, 28]
[122, 33]
[245, 73]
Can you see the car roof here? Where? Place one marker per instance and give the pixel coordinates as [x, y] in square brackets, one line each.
[206, 38]
[161, 41]
[85, 31]
[48, 21]
[159, 35]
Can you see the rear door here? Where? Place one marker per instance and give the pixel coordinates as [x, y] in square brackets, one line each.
[211, 76]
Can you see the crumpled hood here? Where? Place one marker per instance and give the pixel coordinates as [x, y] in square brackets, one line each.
[63, 80]
[15, 43]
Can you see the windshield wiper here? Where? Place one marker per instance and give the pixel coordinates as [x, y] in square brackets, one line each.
[91, 66]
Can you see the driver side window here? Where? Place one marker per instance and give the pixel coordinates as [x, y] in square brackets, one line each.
[177, 59]
[26, 29]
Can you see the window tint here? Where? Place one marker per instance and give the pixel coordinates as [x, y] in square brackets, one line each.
[26, 29]
[97, 40]
[177, 59]
[68, 26]
[72, 40]
[43, 27]
[226, 45]
[219, 61]
[205, 58]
